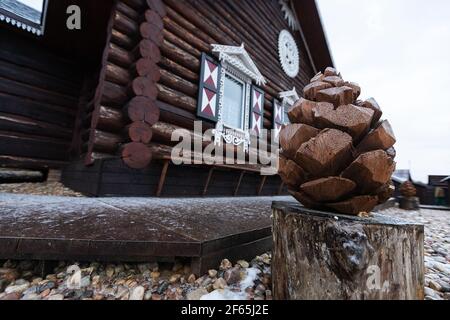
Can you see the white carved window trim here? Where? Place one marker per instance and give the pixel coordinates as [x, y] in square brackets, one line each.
[289, 98]
[18, 21]
[237, 63]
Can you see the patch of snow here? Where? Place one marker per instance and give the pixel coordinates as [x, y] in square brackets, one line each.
[227, 294]
[249, 280]
[224, 294]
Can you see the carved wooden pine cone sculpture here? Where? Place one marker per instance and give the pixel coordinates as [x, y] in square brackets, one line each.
[408, 190]
[337, 154]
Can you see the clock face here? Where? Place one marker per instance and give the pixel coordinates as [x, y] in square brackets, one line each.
[289, 54]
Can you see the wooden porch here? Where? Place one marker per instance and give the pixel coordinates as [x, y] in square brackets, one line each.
[135, 229]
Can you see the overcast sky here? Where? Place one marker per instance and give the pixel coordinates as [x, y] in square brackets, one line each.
[399, 52]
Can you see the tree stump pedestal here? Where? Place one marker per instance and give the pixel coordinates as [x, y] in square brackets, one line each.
[326, 256]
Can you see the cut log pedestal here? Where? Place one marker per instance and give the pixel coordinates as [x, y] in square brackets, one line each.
[324, 256]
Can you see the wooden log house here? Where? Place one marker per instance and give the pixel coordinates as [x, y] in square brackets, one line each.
[101, 102]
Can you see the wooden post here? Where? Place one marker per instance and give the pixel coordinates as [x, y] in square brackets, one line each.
[324, 256]
[162, 179]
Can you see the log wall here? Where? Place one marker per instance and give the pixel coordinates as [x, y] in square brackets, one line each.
[148, 82]
[38, 103]
[151, 64]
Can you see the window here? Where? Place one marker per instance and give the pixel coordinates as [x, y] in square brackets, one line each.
[230, 94]
[28, 15]
[286, 116]
[234, 103]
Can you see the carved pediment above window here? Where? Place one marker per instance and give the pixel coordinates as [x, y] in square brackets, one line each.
[289, 14]
[289, 98]
[240, 60]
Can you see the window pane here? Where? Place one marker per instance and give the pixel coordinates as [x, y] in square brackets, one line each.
[30, 10]
[233, 108]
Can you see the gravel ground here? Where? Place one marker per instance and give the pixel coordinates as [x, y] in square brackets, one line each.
[39, 189]
[148, 281]
[241, 280]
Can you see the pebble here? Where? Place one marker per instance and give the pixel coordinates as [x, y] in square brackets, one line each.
[137, 293]
[85, 282]
[17, 288]
[212, 273]
[148, 295]
[11, 296]
[156, 297]
[175, 278]
[163, 287]
[31, 296]
[244, 264]
[191, 279]
[435, 285]
[56, 297]
[225, 265]
[232, 276]
[219, 284]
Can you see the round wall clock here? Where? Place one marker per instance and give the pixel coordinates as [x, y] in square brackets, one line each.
[289, 54]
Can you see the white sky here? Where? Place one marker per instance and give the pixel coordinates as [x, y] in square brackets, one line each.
[399, 52]
[35, 4]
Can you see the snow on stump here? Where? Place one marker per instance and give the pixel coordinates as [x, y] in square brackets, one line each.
[323, 256]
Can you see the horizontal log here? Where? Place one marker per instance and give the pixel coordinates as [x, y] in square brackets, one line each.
[105, 142]
[11, 87]
[137, 5]
[180, 117]
[119, 56]
[174, 29]
[110, 119]
[32, 146]
[117, 74]
[174, 53]
[30, 163]
[179, 84]
[164, 152]
[127, 10]
[38, 79]
[172, 38]
[178, 70]
[122, 40]
[125, 25]
[176, 98]
[14, 123]
[90, 158]
[37, 110]
[114, 94]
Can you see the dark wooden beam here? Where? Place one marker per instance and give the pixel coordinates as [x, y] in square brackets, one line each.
[162, 179]
[208, 180]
